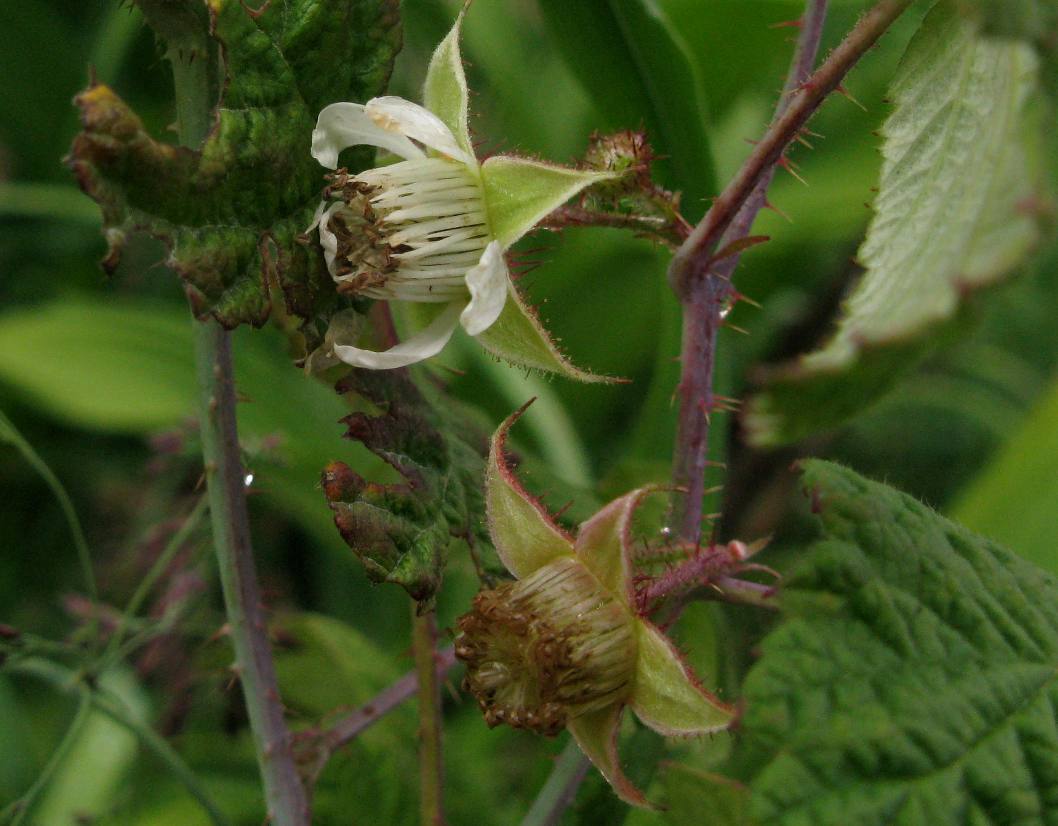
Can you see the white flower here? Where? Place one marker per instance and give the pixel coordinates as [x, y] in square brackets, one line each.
[434, 227]
[428, 214]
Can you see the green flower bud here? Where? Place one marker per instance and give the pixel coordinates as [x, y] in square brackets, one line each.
[548, 648]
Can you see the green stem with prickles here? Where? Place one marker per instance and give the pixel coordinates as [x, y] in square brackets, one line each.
[192, 53]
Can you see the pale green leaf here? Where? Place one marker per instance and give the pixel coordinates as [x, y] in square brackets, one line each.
[445, 90]
[1015, 499]
[524, 535]
[913, 679]
[957, 210]
[667, 696]
[519, 192]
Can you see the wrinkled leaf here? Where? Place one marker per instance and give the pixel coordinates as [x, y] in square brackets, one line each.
[231, 213]
[913, 679]
[958, 209]
[401, 531]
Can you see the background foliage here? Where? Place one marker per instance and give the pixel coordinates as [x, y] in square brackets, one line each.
[97, 374]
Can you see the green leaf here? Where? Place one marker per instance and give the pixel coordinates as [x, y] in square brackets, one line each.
[636, 68]
[100, 757]
[1027, 19]
[957, 211]
[401, 531]
[519, 192]
[1016, 498]
[311, 645]
[913, 678]
[131, 371]
[232, 212]
[690, 791]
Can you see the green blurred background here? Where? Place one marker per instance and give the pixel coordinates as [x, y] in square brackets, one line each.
[97, 375]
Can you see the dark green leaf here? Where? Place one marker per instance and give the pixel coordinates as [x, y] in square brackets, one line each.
[401, 532]
[959, 207]
[913, 679]
[639, 73]
[232, 212]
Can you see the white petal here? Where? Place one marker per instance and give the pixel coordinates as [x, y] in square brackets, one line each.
[342, 125]
[328, 240]
[420, 346]
[406, 118]
[487, 282]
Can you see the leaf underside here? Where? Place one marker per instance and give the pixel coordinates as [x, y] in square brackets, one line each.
[231, 213]
[401, 532]
[958, 209]
[914, 679]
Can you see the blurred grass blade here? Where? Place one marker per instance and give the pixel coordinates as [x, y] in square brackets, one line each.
[18, 809]
[1015, 499]
[956, 212]
[55, 201]
[9, 433]
[126, 709]
[639, 72]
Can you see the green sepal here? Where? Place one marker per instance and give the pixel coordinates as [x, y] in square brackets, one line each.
[667, 696]
[596, 734]
[445, 90]
[520, 192]
[604, 545]
[519, 338]
[524, 534]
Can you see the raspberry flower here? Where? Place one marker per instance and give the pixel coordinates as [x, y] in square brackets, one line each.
[432, 229]
[564, 646]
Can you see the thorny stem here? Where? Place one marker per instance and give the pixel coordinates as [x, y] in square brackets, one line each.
[284, 793]
[190, 55]
[670, 233]
[431, 766]
[703, 284]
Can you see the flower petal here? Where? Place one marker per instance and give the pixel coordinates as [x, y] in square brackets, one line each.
[596, 734]
[342, 125]
[328, 240]
[666, 694]
[445, 91]
[518, 337]
[525, 536]
[604, 544]
[487, 282]
[417, 348]
[399, 116]
[519, 192]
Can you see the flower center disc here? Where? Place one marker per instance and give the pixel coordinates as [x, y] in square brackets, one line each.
[547, 648]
